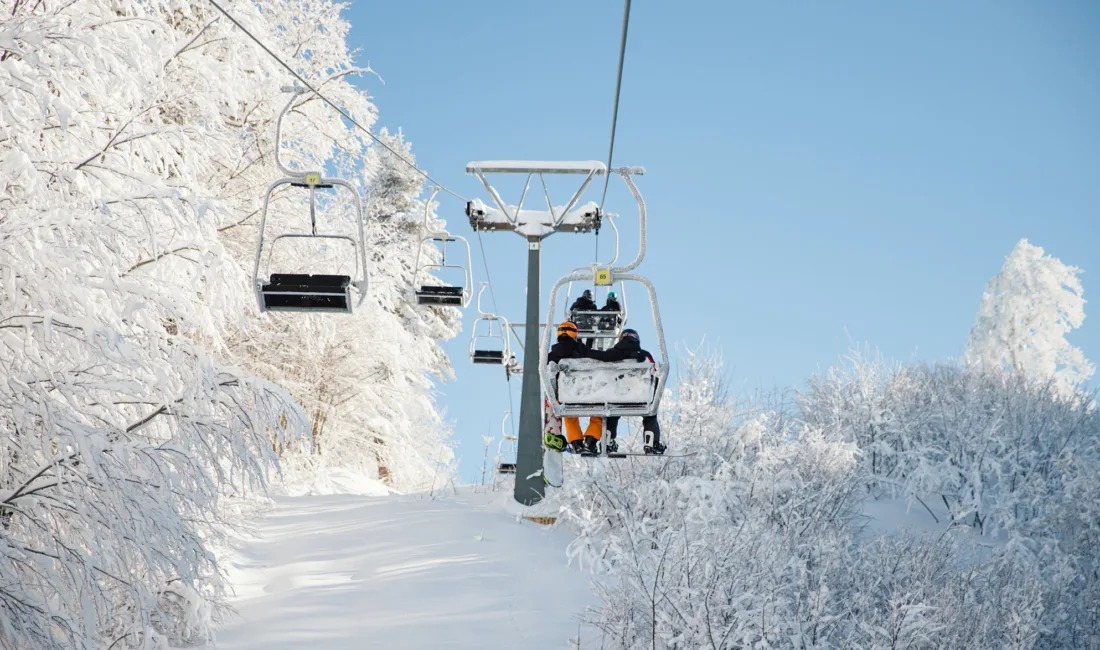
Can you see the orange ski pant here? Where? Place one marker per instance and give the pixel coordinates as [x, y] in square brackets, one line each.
[573, 428]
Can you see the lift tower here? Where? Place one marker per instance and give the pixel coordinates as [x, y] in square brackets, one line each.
[533, 226]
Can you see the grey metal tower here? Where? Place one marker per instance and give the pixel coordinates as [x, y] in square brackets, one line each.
[533, 226]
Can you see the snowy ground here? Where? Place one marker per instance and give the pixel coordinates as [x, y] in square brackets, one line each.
[339, 571]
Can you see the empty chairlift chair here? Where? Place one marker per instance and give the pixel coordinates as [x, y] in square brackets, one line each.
[489, 336]
[489, 340]
[441, 294]
[506, 439]
[311, 292]
[305, 291]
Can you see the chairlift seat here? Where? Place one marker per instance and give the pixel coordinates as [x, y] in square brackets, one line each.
[586, 387]
[304, 292]
[488, 356]
[439, 295]
[596, 324]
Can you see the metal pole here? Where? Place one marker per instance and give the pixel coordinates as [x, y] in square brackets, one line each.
[530, 489]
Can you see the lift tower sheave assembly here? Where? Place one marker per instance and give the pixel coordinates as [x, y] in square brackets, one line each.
[533, 226]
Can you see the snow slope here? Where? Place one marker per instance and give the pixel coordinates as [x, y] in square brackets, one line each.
[335, 572]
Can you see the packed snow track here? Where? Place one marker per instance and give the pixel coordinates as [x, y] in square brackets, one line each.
[336, 572]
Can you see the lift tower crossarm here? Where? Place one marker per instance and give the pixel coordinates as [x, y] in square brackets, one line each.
[593, 167]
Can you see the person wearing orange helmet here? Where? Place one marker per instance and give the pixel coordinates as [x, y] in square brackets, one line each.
[588, 443]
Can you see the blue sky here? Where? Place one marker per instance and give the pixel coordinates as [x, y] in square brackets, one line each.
[819, 175]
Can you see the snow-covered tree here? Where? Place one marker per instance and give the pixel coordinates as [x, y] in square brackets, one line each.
[1026, 312]
[135, 140]
[756, 540]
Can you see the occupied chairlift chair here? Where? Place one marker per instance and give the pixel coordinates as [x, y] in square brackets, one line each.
[600, 327]
[300, 291]
[590, 388]
[489, 336]
[441, 295]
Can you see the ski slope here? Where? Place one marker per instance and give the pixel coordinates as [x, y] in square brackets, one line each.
[341, 572]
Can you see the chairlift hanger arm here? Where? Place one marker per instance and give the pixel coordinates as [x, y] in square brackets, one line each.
[296, 91]
[641, 223]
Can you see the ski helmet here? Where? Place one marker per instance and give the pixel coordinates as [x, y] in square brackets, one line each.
[630, 334]
[587, 294]
[568, 329]
[611, 295]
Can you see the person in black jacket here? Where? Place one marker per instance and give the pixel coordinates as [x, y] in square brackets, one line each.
[612, 303]
[587, 444]
[584, 303]
[629, 348]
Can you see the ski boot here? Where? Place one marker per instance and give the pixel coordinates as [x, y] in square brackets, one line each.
[554, 441]
[575, 447]
[653, 447]
[611, 446]
[589, 446]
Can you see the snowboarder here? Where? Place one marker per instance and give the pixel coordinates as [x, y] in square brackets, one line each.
[584, 303]
[629, 348]
[587, 444]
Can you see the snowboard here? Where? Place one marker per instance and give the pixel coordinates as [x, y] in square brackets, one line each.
[624, 454]
[553, 466]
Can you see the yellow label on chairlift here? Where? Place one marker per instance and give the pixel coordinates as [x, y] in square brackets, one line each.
[313, 179]
[603, 278]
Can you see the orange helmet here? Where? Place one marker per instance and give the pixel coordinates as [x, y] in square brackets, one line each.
[567, 328]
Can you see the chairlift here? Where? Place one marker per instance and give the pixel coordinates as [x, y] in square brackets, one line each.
[303, 291]
[599, 326]
[441, 294]
[506, 439]
[489, 336]
[591, 388]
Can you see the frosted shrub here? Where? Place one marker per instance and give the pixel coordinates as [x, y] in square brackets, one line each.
[756, 542]
[711, 551]
[1010, 458]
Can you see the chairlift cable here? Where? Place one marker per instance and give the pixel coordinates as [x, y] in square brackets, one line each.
[615, 109]
[511, 408]
[488, 278]
[339, 110]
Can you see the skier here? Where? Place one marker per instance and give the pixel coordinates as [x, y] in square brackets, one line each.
[584, 303]
[629, 348]
[568, 347]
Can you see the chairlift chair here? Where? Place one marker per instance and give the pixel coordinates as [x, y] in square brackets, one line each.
[441, 294]
[591, 388]
[489, 344]
[601, 327]
[504, 467]
[302, 291]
